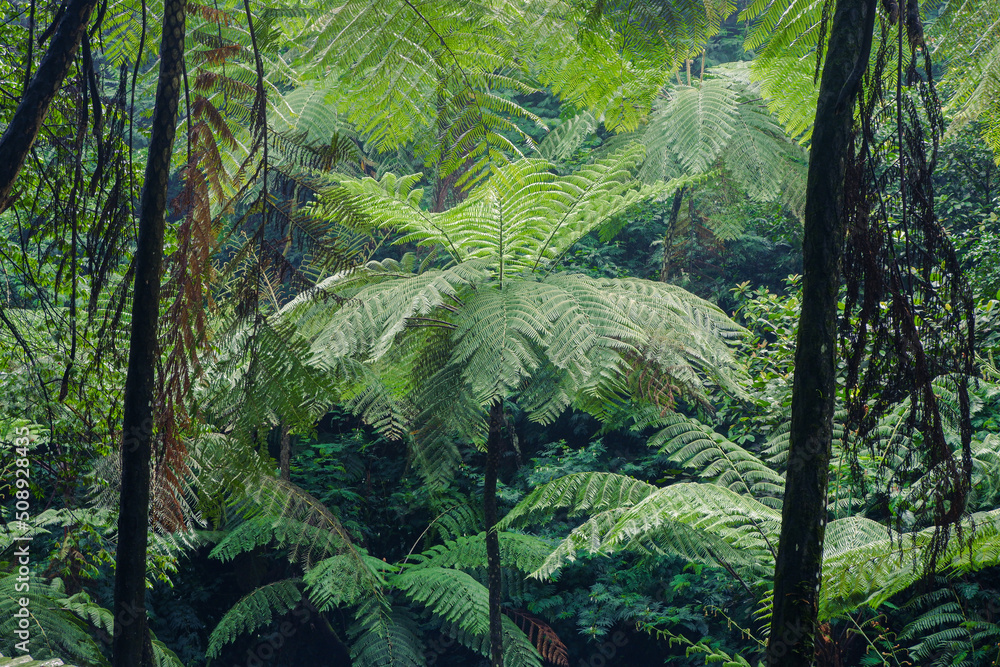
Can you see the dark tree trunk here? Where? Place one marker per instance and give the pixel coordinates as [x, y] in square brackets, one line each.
[492, 537]
[20, 134]
[668, 236]
[803, 518]
[285, 462]
[130, 634]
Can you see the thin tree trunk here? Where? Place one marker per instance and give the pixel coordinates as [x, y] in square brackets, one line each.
[668, 236]
[27, 121]
[285, 462]
[492, 537]
[798, 569]
[131, 636]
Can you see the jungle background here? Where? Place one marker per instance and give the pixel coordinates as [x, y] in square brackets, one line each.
[328, 378]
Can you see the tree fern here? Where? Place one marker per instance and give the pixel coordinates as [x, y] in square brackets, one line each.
[565, 139]
[102, 619]
[703, 522]
[521, 219]
[406, 69]
[967, 33]
[578, 493]
[476, 336]
[872, 569]
[724, 122]
[338, 580]
[459, 341]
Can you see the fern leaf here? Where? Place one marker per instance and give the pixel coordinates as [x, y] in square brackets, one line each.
[448, 593]
[385, 637]
[579, 493]
[253, 611]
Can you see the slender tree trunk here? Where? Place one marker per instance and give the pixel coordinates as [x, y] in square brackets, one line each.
[24, 127]
[285, 462]
[668, 236]
[130, 634]
[492, 537]
[798, 568]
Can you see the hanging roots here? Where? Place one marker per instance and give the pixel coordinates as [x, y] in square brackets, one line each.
[907, 328]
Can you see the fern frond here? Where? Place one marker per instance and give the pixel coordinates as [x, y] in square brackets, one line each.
[579, 493]
[547, 642]
[523, 552]
[713, 457]
[517, 648]
[337, 581]
[55, 631]
[255, 610]
[871, 569]
[385, 636]
[563, 141]
[451, 594]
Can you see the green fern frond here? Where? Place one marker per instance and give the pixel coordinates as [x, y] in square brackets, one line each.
[871, 569]
[523, 552]
[698, 123]
[517, 647]
[385, 636]
[563, 141]
[713, 457]
[337, 581]
[54, 631]
[579, 493]
[966, 33]
[255, 610]
[944, 630]
[451, 594]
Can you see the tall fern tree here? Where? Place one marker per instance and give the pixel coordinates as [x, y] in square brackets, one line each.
[443, 349]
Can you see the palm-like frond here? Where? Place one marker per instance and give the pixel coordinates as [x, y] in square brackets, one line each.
[522, 219]
[255, 610]
[517, 647]
[967, 33]
[523, 552]
[451, 594]
[578, 493]
[868, 564]
[488, 327]
[695, 445]
[703, 522]
[611, 59]
[55, 631]
[344, 580]
[384, 636]
[724, 123]
[946, 632]
[406, 68]
[785, 34]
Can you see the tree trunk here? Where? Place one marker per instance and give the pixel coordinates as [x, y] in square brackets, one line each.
[130, 634]
[27, 121]
[798, 568]
[492, 537]
[668, 236]
[285, 461]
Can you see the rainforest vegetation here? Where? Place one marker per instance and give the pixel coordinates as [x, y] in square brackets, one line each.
[500, 332]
